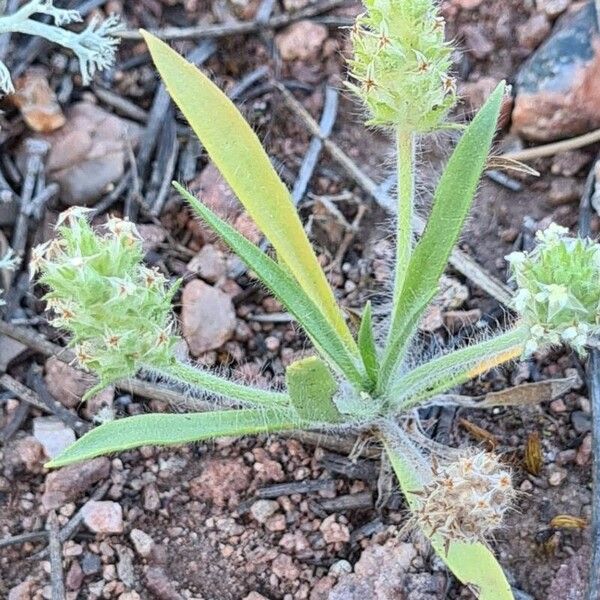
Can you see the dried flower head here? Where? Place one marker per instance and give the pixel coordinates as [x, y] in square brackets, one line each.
[559, 290]
[117, 311]
[401, 64]
[467, 499]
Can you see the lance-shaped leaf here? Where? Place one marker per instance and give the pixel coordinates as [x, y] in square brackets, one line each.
[236, 151]
[287, 290]
[366, 343]
[311, 387]
[471, 563]
[167, 430]
[451, 204]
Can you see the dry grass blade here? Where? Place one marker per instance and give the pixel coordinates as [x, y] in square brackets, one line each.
[532, 458]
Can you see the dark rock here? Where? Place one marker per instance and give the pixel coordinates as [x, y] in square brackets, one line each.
[581, 422]
[91, 564]
[558, 87]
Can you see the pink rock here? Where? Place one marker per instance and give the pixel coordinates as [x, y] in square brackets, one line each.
[301, 40]
[23, 591]
[207, 316]
[159, 584]
[467, 4]
[534, 31]
[476, 41]
[103, 516]
[74, 577]
[284, 568]
[209, 264]
[455, 320]
[570, 580]
[334, 532]
[88, 154]
[26, 451]
[69, 483]
[221, 482]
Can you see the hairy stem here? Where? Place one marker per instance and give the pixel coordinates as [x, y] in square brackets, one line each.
[206, 381]
[441, 374]
[405, 144]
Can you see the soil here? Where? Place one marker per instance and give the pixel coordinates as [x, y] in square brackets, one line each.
[213, 537]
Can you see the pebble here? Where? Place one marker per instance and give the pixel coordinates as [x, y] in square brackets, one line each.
[432, 319]
[151, 498]
[455, 320]
[74, 577]
[9, 348]
[333, 531]
[160, 585]
[261, 510]
[142, 542]
[88, 154]
[584, 452]
[564, 190]
[558, 406]
[221, 481]
[569, 163]
[553, 8]
[53, 434]
[91, 564]
[340, 567]
[21, 591]
[534, 31]
[103, 516]
[557, 476]
[301, 41]
[467, 4]
[208, 317]
[209, 264]
[26, 451]
[70, 482]
[476, 41]
[582, 422]
[556, 90]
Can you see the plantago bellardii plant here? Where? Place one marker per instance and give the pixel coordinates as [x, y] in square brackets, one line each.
[117, 310]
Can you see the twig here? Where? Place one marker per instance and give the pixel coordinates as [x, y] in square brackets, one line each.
[15, 423]
[45, 403]
[55, 550]
[360, 501]
[24, 538]
[459, 260]
[240, 28]
[593, 382]
[311, 157]
[121, 105]
[166, 161]
[247, 81]
[295, 487]
[555, 148]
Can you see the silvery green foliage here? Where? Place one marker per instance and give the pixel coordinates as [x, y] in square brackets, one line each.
[9, 261]
[117, 311]
[467, 497]
[559, 290]
[95, 46]
[401, 65]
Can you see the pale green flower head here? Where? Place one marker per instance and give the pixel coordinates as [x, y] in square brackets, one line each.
[117, 311]
[401, 64]
[9, 262]
[559, 290]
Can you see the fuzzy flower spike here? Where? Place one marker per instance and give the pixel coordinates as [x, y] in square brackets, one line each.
[401, 65]
[559, 290]
[117, 311]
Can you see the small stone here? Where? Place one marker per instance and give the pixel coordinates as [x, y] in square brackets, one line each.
[558, 406]
[276, 523]
[584, 452]
[557, 88]
[21, 592]
[152, 236]
[570, 580]
[88, 154]
[283, 567]
[129, 596]
[208, 317]
[9, 348]
[150, 498]
[103, 516]
[476, 41]
[340, 567]
[37, 101]
[272, 343]
[69, 483]
[261, 510]
[553, 8]
[209, 264]
[557, 476]
[582, 422]
[160, 585]
[432, 319]
[564, 190]
[53, 434]
[301, 41]
[221, 481]
[125, 570]
[333, 531]
[91, 564]
[565, 457]
[455, 320]
[526, 486]
[74, 577]
[142, 542]
[29, 452]
[534, 31]
[569, 163]
[254, 596]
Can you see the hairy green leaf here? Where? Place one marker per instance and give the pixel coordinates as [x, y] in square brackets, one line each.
[472, 563]
[236, 151]
[167, 430]
[311, 387]
[452, 201]
[287, 290]
[366, 343]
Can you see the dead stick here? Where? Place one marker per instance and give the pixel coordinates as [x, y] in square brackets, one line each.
[55, 551]
[240, 28]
